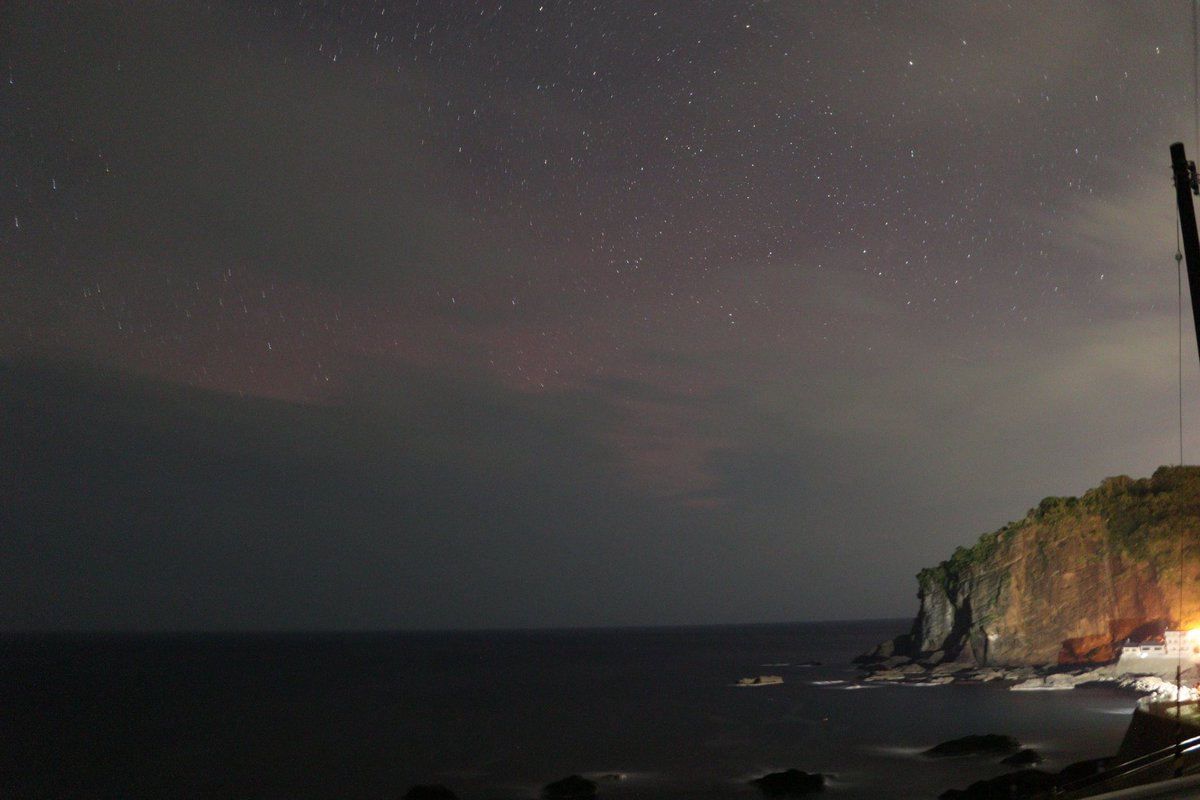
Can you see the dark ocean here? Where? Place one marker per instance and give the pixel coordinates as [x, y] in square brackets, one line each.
[500, 714]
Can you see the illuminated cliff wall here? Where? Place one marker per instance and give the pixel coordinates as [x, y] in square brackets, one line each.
[1071, 578]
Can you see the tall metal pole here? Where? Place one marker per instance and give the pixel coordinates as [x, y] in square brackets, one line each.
[1185, 187]
[1186, 184]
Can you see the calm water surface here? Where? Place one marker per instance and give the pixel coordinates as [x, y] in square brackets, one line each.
[498, 715]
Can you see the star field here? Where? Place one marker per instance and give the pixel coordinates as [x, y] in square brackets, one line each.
[836, 278]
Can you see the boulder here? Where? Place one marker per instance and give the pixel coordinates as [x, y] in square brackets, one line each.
[882, 651]
[984, 744]
[791, 782]
[899, 645]
[573, 787]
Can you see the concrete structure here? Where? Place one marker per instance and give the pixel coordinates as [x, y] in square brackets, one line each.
[1161, 655]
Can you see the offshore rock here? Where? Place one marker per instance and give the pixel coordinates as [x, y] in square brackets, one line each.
[984, 744]
[892, 648]
[1069, 582]
[791, 782]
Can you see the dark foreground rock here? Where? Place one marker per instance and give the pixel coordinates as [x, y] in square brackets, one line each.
[1015, 785]
[984, 744]
[1030, 782]
[570, 788]
[1022, 758]
[1082, 770]
[791, 782]
[430, 792]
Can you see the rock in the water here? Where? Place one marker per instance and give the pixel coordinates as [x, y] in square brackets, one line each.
[900, 645]
[429, 792]
[793, 781]
[1026, 783]
[974, 745]
[573, 787]
[1023, 758]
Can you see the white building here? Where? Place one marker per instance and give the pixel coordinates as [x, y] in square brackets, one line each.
[1172, 644]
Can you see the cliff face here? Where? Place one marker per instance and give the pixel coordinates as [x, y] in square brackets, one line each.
[1069, 581]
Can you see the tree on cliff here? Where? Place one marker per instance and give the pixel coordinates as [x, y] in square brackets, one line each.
[1072, 577]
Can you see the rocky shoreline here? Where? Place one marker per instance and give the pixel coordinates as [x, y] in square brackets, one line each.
[914, 671]
[888, 665]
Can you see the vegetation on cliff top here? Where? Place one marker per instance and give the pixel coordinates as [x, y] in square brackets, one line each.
[1142, 513]
[950, 572]
[1139, 515]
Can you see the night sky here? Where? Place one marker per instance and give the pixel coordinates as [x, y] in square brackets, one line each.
[326, 314]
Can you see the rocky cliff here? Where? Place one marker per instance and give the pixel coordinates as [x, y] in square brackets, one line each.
[1071, 580]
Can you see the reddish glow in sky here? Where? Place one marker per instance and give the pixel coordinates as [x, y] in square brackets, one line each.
[810, 293]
